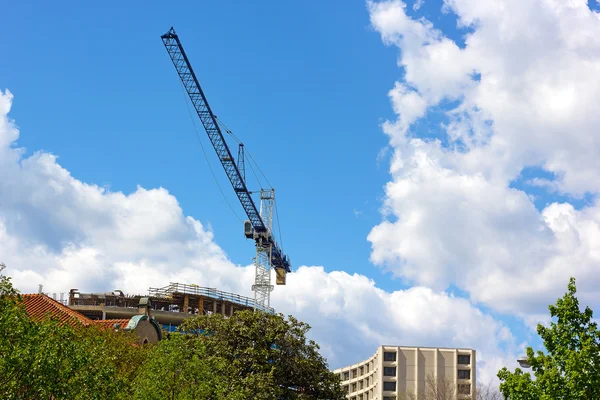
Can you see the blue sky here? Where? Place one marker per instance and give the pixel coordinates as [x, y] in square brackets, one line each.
[447, 151]
[96, 87]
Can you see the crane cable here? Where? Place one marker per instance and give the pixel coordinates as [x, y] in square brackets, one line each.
[279, 227]
[246, 152]
[205, 155]
[227, 130]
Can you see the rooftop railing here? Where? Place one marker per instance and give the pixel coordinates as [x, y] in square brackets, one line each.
[181, 288]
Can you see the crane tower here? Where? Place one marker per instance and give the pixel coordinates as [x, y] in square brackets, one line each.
[259, 225]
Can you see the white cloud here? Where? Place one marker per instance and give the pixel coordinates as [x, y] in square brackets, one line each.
[350, 314]
[451, 214]
[60, 232]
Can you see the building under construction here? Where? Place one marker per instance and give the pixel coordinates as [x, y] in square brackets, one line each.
[171, 304]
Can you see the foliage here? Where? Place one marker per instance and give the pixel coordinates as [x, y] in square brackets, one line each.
[264, 356]
[43, 359]
[183, 370]
[247, 356]
[571, 367]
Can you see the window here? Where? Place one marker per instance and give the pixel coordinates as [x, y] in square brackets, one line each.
[367, 368]
[354, 387]
[354, 373]
[464, 374]
[464, 389]
[389, 386]
[464, 359]
[346, 376]
[389, 371]
[360, 385]
[389, 356]
[361, 371]
[346, 388]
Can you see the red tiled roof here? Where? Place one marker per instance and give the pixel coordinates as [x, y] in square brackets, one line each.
[110, 323]
[39, 306]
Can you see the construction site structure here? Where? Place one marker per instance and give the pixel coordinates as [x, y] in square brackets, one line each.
[259, 225]
[171, 304]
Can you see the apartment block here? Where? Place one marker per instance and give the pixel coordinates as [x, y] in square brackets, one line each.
[399, 373]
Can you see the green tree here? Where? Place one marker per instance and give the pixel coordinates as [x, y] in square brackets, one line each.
[571, 367]
[47, 360]
[108, 362]
[178, 368]
[250, 355]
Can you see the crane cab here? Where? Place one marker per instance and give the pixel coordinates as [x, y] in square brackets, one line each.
[248, 230]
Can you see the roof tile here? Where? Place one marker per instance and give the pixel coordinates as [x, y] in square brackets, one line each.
[40, 305]
[110, 323]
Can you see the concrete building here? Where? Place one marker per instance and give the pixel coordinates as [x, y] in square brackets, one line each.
[171, 305]
[420, 373]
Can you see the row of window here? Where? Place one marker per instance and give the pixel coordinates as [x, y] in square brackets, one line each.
[360, 385]
[462, 389]
[391, 371]
[356, 372]
[364, 396]
[391, 387]
[463, 359]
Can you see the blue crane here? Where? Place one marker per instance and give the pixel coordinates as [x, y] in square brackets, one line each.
[267, 248]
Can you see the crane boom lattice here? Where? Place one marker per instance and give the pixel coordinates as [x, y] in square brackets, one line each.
[259, 226]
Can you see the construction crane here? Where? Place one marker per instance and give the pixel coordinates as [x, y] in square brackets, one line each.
[259, 224]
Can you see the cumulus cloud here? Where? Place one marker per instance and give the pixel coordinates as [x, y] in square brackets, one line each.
[350, 312]
[521, 92]
[63, 233]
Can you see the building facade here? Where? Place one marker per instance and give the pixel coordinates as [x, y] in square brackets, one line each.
[420, 373]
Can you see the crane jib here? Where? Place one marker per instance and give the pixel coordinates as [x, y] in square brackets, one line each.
[198, 99]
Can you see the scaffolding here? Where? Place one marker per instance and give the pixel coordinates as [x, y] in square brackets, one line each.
[175, 298]
[195, 293]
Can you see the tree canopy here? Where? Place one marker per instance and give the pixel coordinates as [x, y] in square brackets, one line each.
[570, 367]
[43, 359]
[251, 355]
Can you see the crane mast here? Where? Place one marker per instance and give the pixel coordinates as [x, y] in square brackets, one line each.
[260, 223]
